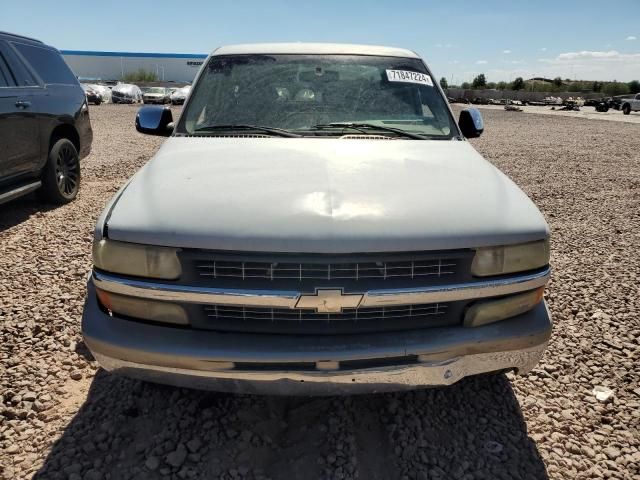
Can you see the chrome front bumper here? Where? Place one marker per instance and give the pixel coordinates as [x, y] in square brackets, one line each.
[288, 299]
[320, 364]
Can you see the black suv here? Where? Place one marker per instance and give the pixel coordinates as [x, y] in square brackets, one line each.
[44, 122]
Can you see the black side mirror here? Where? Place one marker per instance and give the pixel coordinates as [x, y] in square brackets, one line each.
[471, 123]
[154, 120]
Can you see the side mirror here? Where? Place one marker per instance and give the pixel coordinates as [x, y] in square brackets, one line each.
[471, 123]
[154, 120]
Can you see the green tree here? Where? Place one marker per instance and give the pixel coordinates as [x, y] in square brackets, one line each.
[615, 88]
[557, 82]
[465, 85]
[491, 85]
[501, 85]
[518, 84]
[597, 86]
[443, 83]
[479, 82]
[141, 75]
[543, 87]
[634, 86]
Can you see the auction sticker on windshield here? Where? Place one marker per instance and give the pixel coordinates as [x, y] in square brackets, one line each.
[409, 77]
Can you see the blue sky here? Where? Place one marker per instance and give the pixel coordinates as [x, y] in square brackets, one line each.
[588, 39]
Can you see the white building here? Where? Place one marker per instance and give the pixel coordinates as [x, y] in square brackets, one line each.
[168, 67]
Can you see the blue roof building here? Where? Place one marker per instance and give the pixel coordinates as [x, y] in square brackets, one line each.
[168, 67]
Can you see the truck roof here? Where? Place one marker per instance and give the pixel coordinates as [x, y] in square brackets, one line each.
[313, 49]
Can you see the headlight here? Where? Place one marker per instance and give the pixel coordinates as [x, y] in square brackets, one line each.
[489, 311]
[510, 258]
[137, 260]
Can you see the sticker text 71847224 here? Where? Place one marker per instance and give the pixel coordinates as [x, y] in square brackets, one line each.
[409, 77]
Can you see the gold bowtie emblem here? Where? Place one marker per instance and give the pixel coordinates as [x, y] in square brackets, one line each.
[329, 301]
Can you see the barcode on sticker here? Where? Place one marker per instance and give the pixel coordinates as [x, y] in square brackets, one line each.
[409, 77]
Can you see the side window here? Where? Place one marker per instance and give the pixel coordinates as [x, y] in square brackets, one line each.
[6, 77]
[47, 63]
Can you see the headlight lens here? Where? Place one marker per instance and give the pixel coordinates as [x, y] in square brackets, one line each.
[137, 260]
[510, 258]
[490, 311]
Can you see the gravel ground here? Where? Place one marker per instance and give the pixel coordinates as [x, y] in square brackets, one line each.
[63, 418]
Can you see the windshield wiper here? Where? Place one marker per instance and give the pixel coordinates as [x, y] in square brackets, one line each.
[369, 126]
[281, 132]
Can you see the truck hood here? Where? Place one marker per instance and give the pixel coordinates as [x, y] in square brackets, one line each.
[321, 195]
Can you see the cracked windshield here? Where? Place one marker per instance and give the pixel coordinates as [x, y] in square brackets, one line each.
[310, 94]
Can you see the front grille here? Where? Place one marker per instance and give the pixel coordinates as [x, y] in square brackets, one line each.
[381, 270]
[306, 273]
[357, 273]
[266, 320]
[305, 315]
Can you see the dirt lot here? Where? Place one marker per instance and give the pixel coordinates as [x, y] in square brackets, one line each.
[63, 418]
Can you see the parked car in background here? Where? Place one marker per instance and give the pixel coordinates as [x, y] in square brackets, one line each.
[104, 91]
[615, 103]
[159, 95]
[45, 123]
[126, 93]
[602, 106]
[574, 101]
[180, 95]
[553, 100]
[629, 105]
[93, 96]
[317, 223]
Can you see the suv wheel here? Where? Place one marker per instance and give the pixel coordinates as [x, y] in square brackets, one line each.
[626, 109]
[61, 174]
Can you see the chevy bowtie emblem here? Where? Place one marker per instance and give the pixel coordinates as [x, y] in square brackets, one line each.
[329, 301]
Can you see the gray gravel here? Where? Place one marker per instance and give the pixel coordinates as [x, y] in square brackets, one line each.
[62, 418]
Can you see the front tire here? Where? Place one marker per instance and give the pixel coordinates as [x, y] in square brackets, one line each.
[61, 175]
[626, 109]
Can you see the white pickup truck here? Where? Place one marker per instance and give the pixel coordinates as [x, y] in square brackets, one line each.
[630, 104]
[317, 223]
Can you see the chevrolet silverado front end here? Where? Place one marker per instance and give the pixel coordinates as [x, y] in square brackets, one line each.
[317, 223]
